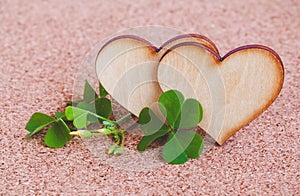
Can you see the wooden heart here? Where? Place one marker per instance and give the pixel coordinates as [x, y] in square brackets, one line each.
[233, 90]
[127, 68]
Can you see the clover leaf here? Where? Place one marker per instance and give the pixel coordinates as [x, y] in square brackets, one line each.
[37, 122]
[190, 114]
[181, 146]
[79, 116]
[103, 107]
[102, 91]
[60, 114]
[181, 116]
[58, 135]
[171, 101]
[152, 126]
[89, 93]
[94, 103]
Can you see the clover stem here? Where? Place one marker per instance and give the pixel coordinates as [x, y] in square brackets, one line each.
[124, 118]
[123, 138]
[102, 118]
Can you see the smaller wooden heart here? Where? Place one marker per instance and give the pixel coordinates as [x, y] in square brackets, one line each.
[127, 68]
[233, 90]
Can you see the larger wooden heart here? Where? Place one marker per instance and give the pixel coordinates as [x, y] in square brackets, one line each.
[233, 90]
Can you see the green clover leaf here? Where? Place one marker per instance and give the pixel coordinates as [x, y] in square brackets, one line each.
[58, 135]
[102, 91]
[171, 101]
[89, 93]
[181, 146]
[190, 115]
[37, 122]
[181, 117]
[79, 116]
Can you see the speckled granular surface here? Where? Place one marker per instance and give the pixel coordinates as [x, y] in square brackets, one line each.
[42, 43]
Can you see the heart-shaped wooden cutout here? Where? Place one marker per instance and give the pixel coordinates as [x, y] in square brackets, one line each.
[127, 68]
[233, 90]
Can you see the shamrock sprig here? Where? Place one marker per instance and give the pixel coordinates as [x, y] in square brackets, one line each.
[93, 109]
[57, 135]
[176, 118]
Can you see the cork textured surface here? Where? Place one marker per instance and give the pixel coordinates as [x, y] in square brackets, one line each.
[42, 44]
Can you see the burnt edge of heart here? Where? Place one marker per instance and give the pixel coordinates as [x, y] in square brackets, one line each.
[128, 37]
[192, 35]
[215, 53]
[157, 49]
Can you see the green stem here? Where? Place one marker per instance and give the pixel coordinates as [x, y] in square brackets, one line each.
[124, 118]
[95, 132]
[123, 138]
[102, 118]
[99, 131]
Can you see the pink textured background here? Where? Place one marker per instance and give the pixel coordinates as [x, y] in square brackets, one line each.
[43, 42]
